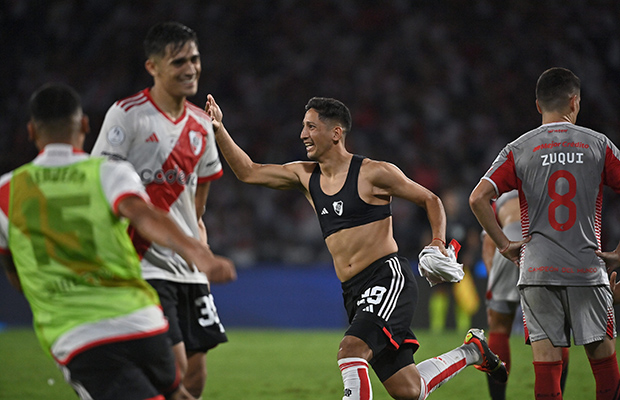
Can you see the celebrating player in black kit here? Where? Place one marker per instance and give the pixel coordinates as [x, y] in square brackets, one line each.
[351, 195]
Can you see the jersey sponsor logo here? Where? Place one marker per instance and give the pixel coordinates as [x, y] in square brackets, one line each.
[561, 158]
[170, 176]
[553, 145]
[153, 138]
[195, 140]
[324, 211]
[338, 207]
[115, 136]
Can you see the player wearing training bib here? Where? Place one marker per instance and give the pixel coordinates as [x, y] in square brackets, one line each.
[64, 243]
[170, 143]
[51, 213]
[559, 170]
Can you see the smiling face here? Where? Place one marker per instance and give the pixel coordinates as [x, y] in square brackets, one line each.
[318, 136]
[177, 72]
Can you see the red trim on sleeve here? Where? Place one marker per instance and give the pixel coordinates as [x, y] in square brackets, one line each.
[213, 177]
[5, 252]
[505, 176]
[5, 192]
[611, 171]
[123, 197]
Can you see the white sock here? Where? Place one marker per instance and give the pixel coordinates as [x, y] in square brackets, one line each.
[436, 371]
[355, 378]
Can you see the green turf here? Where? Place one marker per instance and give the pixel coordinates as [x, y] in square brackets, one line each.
[282, 365]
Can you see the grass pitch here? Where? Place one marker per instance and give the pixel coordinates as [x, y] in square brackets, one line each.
[283, 365]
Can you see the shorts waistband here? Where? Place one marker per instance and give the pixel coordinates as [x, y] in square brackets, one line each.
[367, 272]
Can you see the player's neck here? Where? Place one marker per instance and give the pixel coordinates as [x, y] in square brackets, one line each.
[549, 118]
[335, 163]
[173, 107]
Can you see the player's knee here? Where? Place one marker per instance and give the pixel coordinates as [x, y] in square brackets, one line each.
[196, 374]
[405, 392]
[352, 346]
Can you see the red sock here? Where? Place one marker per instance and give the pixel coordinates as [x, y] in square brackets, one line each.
[607, 378]
[547, 382]
[499, 344]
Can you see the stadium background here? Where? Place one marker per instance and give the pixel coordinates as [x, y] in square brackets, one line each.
[436, 87]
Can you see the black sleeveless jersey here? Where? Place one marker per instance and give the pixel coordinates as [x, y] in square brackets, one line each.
[344, 209]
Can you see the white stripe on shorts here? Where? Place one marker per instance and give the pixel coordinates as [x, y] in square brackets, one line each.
[396, 287]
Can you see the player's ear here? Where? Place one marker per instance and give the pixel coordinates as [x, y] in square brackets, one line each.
[538, 107]
[337, 133]
[32, 131]
[575, 103]
[85, 124]
[151, 66]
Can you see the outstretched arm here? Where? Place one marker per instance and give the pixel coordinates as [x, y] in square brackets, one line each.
[271, 175]
[480, 203]
[156, 226]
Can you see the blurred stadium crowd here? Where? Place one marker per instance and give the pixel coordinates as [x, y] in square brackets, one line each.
[436, 87]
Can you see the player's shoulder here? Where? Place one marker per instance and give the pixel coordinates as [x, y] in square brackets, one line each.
[591, 132]
[301, 166]
[370, 165]
[133, 102]
[197, 111]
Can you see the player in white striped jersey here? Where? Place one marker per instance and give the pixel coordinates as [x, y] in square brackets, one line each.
[559, 170]
[170, 143]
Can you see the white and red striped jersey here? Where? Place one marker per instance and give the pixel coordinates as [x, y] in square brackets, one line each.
[559, 170]
[171, 158]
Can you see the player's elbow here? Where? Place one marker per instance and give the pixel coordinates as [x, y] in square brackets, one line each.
[247, 173]
[476, 199]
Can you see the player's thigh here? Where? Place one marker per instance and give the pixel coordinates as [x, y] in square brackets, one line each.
[405, 383]
[135, 369]
[591, 314]
[198, 319]
[545, 314]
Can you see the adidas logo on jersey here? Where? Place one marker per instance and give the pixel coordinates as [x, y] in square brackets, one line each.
[152, 138]
[324, 211]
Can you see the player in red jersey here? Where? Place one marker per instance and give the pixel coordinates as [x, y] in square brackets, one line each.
[559, 170]
[171, 145]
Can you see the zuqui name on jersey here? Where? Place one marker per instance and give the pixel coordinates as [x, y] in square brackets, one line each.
[561, 158]
[171, 176]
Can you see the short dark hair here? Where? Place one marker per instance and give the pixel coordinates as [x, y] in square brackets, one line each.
[331, 109]
[163, 34]
[54, 103]
[555, 87]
